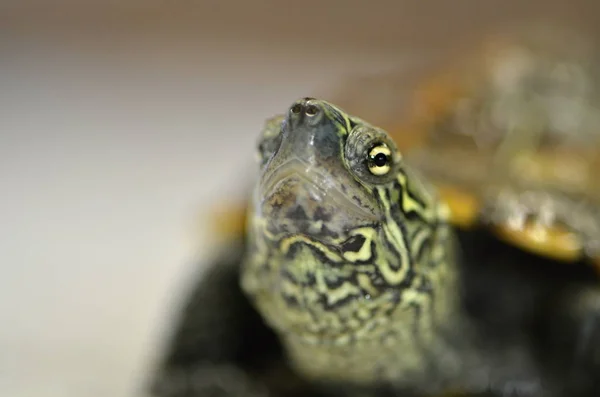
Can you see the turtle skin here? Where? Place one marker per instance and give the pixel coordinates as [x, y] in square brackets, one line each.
[221, 347]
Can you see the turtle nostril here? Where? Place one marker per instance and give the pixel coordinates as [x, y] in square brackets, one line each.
[311, 110]
[297, 108]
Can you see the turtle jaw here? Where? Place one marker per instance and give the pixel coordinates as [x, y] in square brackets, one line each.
[296, 198]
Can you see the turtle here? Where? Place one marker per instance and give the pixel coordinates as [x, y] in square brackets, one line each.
[502, 194]
[351, 276]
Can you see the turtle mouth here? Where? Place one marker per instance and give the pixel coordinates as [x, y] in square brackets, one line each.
[302, 198]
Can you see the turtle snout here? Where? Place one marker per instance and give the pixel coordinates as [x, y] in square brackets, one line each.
[306, 112]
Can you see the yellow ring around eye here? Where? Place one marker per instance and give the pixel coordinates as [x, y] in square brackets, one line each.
[383, 169]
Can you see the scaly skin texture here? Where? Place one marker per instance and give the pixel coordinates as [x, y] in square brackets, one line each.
[353, 266]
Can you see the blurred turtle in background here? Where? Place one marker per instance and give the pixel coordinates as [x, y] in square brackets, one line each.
[456, 254]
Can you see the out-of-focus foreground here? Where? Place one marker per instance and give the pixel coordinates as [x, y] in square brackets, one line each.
[121, 121]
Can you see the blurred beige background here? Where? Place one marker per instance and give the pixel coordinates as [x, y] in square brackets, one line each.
[121, 120]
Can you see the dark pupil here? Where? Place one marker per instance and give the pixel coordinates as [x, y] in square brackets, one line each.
[380, 159]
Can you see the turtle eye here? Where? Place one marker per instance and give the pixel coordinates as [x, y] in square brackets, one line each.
[371, 155]
[379, 159]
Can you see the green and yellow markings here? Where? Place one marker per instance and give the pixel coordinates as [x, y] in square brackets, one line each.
[286, 244]
[364, 253]
[409, 204]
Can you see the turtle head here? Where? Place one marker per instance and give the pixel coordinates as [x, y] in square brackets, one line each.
[338, 226]
[318, 172]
